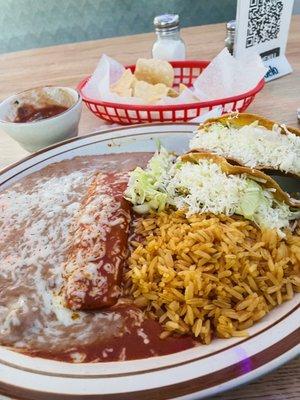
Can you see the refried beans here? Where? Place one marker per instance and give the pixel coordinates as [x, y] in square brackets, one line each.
[35, 216]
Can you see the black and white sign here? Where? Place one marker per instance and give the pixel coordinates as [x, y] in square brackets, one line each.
[262, 26]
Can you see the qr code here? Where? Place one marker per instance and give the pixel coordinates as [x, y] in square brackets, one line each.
[263, 21]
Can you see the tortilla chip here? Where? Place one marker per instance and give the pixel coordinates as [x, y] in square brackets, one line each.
[123, 86]
[172, 93]
[149, 93]
[182, 87]
[154, 71]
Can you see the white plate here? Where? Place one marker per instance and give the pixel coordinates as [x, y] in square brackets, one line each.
[191, 374]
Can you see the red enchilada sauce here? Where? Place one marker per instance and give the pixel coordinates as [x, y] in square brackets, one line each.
[30, 113]
[134, 338]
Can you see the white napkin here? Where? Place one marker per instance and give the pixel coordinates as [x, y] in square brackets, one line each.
[226, 76]
[108, 71]
[214, 113]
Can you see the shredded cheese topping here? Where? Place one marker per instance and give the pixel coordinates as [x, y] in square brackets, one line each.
[252, 145]
[203, 187]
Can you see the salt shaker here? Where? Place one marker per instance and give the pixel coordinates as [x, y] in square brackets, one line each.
[229, 41]
[169, 45]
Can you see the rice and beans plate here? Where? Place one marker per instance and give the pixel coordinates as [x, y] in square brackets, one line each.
[134, 255]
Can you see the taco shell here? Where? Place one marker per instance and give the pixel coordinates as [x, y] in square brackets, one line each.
[264, 180]
[236, 120]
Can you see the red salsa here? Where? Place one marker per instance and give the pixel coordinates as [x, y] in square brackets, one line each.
[30, 113]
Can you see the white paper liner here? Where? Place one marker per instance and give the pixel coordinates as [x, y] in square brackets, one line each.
[224, 77]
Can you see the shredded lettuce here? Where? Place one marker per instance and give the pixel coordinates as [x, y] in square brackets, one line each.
[260, 206]
[250, 199]
[146, 188]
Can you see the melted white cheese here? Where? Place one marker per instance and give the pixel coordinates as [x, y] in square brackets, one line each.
[44, 214]
[88, 235]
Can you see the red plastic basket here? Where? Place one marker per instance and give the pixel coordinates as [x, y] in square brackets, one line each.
[184, 72]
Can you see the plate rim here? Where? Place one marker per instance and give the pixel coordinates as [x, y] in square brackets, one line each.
[8, 167]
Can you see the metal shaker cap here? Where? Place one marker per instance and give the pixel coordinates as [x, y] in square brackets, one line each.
[166, 21]
[231, 25]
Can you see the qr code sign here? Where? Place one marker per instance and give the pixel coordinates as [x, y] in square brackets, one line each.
[263, 21]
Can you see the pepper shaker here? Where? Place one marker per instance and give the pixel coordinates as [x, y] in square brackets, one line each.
[229, 41]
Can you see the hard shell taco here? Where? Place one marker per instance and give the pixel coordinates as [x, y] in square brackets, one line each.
[207, 183]
[252, 141]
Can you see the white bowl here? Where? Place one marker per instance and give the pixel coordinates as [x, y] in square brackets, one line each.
[35, 135]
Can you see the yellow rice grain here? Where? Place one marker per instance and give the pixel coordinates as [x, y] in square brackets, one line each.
[210, 275]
